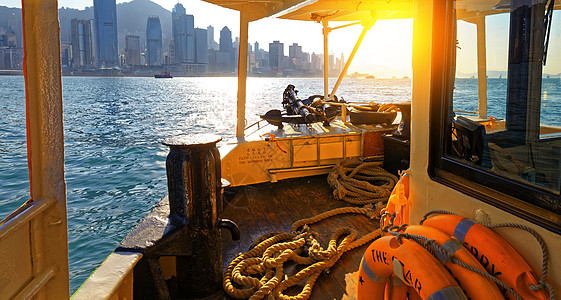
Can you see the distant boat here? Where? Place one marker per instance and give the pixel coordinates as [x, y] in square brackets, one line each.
[165, 74]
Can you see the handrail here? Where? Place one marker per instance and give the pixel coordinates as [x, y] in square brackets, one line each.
[35, 285]
[27, 215]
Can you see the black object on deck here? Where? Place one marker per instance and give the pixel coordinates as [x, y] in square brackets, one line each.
[194, 185]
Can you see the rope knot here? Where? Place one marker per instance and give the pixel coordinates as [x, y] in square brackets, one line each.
[537, 287]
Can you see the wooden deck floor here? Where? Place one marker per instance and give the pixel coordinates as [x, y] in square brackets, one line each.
[263, 208]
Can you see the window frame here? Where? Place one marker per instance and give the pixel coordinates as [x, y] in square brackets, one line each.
[523, 200]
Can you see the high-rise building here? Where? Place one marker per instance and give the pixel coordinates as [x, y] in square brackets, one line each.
[11, 55]
[9, 38]
[317, 63]
[225, 40]
[65, 54]
[132, 50]
[179, 32]
[82, 43]
[153, 41]
[225, 54]
[183, 29]
[105, 19]
[276, 56]
[212, 44]
[171, 52]
[201, 46]
[295, 56]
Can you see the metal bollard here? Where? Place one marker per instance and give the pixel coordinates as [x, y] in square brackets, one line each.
[195, 198]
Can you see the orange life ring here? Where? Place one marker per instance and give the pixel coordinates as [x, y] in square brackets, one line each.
[474, 285]
[410, 262]
[498, 257]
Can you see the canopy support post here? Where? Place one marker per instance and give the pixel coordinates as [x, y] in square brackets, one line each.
[365, 28]
[242, 74]
[326, 31]
[481, 68]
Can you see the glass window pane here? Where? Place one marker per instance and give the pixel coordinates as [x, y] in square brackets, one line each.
[504, 112]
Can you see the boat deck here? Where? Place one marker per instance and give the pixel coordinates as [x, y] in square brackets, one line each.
[267, 207]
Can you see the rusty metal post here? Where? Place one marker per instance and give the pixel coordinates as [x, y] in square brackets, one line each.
[194, 184]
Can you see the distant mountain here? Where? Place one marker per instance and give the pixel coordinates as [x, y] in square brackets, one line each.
[8, 15]
[132, 17]
[11, 17]
[500, 74]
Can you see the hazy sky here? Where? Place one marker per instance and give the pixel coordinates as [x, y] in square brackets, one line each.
[385, 52]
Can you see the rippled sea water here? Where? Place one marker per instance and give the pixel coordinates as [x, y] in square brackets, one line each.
[114, 159]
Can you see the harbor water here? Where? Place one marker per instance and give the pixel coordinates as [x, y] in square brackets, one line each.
[113, 128]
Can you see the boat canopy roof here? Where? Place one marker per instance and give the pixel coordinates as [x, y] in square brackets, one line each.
[354, 10]
[321, 10]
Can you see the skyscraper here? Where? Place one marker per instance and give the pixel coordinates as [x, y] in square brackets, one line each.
[153, 41]
[225, 54]
[201, 46]
[276, 56]
[105, 19]
[183, 30]
[225, 40]
[210, 38]
[132, 50]
[295, 56]
[82, 43]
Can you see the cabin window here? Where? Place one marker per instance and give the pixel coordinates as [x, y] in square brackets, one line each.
[496, 102]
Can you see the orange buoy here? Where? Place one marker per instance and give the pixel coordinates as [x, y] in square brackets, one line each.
[474, 285]
[398, 202]
[411, 263]
[498, 257]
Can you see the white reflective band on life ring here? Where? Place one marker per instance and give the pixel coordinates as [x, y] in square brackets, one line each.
[451, 247]
[371, 275]
[448, 293]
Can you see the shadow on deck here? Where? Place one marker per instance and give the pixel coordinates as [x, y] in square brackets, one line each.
[267, 207]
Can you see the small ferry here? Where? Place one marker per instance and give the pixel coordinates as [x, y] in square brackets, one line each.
[476, 213]
[165, 74]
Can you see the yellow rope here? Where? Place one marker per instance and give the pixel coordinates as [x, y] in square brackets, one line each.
[272, 250]
[353, 182]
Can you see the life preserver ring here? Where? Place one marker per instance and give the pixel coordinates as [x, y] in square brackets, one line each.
[475, 286]
[411, 263]
[498, 257]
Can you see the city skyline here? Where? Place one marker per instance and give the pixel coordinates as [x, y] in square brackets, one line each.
[189, 51]
[385, 52]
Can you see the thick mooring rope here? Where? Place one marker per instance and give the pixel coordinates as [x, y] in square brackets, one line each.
[361, 183]
[259, 273]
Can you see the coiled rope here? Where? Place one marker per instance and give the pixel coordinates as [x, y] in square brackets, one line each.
[259, 273]
[357, 182]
